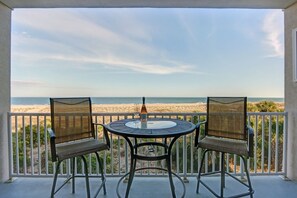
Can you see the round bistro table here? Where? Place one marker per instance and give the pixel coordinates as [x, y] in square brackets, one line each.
[132, 129]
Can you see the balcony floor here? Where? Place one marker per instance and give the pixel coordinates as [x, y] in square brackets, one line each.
[144, 187]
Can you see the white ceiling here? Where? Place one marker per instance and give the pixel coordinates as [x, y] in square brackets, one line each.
[277, 4]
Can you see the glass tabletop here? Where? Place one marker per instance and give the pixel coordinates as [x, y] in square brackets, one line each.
[155, 128]
[151, 124]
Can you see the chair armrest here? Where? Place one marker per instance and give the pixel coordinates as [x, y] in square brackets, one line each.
[105, 133]
[197, 132]
[52, 143]
[250, 131]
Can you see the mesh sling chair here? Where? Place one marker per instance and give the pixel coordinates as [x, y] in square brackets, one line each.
[226, 131]
[73, 135]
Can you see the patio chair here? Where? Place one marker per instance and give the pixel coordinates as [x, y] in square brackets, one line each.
[73, 135]
[225, 131]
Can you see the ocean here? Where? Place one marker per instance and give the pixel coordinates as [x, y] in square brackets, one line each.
[129, 100]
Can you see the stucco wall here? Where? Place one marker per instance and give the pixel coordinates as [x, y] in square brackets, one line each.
[291, 92]
[5, 34]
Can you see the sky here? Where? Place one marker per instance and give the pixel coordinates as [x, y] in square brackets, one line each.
[153, 52]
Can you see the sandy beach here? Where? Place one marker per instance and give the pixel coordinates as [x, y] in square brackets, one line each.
[111, 108]
[127, 108]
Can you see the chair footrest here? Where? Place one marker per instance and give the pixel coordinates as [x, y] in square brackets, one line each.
[233, 196]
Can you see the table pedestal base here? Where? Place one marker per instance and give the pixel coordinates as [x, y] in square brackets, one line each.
[155, 168]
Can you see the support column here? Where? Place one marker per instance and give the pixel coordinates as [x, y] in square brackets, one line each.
[5, 46]
[291, 92]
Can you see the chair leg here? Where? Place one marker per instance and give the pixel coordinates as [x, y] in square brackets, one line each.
[102, 173]
[87, 176]
[73, 175]
[247, 175]
[131, 175]
[223, 177]
[55, 179]
[200, 170]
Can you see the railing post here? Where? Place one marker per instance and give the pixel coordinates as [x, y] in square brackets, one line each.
[10, 147]
[185, 179]
[242, 175]
[285, 146]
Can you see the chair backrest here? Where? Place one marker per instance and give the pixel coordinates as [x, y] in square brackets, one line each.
[71, 119]
[226, 117]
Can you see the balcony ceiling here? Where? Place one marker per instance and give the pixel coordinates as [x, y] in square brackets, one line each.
[261, 4]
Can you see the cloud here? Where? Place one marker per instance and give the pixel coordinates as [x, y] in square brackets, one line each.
[71, 28]
[273, 27]
[147, 67]
[25, 83]
[112, 63]
[188, 26]
[29, 88]
[67, 35]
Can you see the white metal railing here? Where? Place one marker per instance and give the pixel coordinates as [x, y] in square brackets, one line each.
[30, 153]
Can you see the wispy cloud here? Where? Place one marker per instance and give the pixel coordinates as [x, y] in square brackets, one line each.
[70, 28]
[184, 22]
[273, 27]
[24, 84]
[27, 83]
[147, 67]
[37, 88]
[93, 43]
[111, 62]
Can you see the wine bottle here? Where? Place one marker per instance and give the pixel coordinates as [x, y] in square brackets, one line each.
[143, 114]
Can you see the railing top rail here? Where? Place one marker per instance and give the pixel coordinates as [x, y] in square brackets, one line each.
[27, 114]
[111, 114]
[267, 113]
[152, 113]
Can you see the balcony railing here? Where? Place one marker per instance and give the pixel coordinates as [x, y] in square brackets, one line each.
[30, 153]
